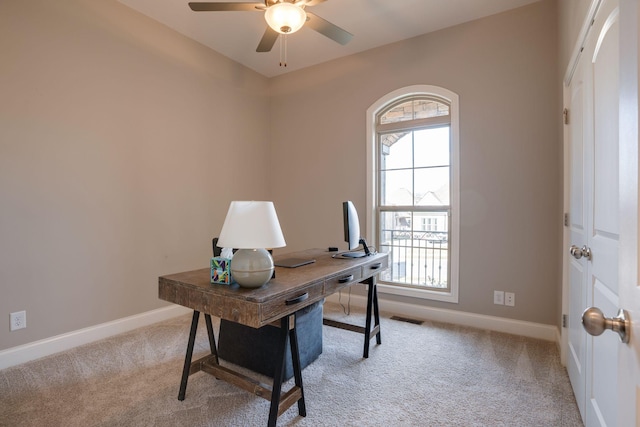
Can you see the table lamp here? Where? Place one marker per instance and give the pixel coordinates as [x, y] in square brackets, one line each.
[251, 227]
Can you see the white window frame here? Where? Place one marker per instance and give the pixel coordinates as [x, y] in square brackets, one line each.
[372, 191]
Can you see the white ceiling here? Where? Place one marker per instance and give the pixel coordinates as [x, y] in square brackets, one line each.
[372, 22]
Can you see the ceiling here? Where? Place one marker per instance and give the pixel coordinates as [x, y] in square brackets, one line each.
[373, 23]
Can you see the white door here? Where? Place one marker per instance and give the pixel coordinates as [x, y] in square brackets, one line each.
[578, 197]
[579, 136]
[628, 395]
[594, 220]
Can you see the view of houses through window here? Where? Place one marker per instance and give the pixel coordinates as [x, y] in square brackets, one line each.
[414, 191]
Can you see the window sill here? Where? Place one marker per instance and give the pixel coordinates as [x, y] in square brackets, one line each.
[451, 297]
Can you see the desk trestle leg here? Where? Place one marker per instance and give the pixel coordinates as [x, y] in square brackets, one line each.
[372, 300]
[187, 369]
[280, 402]
[297, 371]
[372, 308]
[212, 338]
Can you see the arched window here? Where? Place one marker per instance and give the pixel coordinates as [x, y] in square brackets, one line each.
[413, 190]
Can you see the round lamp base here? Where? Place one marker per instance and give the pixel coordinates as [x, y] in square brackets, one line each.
[252, 268]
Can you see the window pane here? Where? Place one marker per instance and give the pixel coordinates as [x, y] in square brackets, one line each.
[432, 147]
[394, 225]
[432, 186]
[417, 244]
[398, 113]
[396, 187]
[396, 151]
[418, 108]
[425, 108]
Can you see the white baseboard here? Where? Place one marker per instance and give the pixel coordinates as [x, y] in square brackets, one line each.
[37, 349]
[481, 321]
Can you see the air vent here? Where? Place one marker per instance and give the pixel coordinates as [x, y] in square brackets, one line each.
[406, 319]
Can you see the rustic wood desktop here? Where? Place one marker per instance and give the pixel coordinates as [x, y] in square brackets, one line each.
[291, 290]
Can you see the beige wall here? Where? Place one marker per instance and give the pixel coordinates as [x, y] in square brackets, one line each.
[504, 69]
[110, 127]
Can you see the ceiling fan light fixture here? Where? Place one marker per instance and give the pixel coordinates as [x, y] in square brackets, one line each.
[285, 17]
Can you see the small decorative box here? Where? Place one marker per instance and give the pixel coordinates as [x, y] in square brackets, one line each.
[221, 271]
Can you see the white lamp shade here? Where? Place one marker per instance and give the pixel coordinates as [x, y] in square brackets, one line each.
[251, 225]
[285, 18]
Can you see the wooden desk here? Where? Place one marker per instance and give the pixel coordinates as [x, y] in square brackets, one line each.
[279, 300]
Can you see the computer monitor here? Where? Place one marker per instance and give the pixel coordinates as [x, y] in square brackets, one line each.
[352, 232]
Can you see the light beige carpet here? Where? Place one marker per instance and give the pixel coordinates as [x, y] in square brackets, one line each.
[432, 374]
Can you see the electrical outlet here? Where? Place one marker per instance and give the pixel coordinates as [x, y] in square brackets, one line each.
[498, 297]
[18, 320]
[510, 299]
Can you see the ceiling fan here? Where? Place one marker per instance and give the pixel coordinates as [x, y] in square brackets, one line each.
[282, 16]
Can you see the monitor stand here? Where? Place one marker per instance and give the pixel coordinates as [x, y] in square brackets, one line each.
[351, 255]
[356, 254]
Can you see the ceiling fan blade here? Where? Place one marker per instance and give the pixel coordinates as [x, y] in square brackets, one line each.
[328, 29]
[224, 6]
[305, 3]
[311, 2]
[268, 40]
